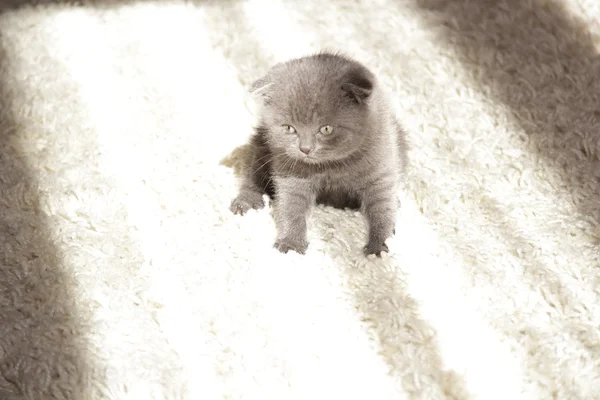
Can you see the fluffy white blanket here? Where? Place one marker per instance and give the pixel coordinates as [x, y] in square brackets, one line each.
[123, 275]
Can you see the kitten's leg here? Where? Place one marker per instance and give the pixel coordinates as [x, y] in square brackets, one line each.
[249, 197]
[379, 206]
[254, 182]
[292, 206]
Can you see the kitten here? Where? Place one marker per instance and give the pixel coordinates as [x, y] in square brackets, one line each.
[325, 135]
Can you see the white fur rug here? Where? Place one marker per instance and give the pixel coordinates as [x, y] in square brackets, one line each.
[124, 276]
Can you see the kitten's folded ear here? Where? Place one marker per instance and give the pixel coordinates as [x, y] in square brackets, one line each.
[358, 86]
[258, 96]
[260, 87]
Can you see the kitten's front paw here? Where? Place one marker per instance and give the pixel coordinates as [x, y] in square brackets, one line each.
[284, 245]
[375, 248]
[246, 201]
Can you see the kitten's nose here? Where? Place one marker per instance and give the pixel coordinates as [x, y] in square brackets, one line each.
[306, 149]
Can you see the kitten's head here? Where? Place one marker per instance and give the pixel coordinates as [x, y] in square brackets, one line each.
[316, 109]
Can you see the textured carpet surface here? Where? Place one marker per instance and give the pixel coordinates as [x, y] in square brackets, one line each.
[123, 275]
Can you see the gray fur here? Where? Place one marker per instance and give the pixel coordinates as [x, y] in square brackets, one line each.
[358, 165]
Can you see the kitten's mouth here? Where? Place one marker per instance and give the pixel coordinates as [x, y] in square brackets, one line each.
[310, 160]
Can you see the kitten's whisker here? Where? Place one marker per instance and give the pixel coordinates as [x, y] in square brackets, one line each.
[261, 158]
[271, 175]
[287, 162]
[265, 163]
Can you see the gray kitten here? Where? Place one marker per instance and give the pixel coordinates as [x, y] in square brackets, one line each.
[327, 135]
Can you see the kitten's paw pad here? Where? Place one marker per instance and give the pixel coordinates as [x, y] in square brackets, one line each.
[285, 245]
[375, 249]
[245, 202]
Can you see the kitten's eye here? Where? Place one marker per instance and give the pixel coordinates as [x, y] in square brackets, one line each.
[326, 130]
[289, 129]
